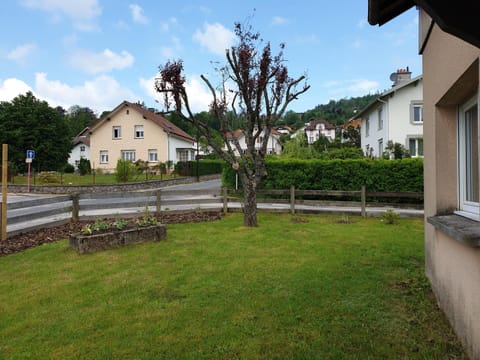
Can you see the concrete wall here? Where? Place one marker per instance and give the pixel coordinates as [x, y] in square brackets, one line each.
[450, 78]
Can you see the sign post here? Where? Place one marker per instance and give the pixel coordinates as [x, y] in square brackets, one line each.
[28, 160]
[4, 190]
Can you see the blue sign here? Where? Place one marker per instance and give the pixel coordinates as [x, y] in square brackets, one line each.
[30, 154]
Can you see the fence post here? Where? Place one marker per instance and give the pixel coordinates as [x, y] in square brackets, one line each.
[75, 207]
[225, 200]
[364, 201]
[158, 201]
[292, 199]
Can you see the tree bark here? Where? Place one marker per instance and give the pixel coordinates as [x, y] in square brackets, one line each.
[249, 203]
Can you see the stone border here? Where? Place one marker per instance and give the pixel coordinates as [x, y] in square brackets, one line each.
[97, 242]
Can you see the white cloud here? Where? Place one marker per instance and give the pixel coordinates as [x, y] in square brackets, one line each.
[165, 25]
[362, 23]
[81, 12]
[99, 94]
[215, 37]
[198, 94]
[352, 87]
[278, 20]
[137, 14]
[107, 60]
[12, 87]
[21, 52]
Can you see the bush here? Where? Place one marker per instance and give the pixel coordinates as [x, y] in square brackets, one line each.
[125, 170]
[84, 167]
[69, 169]
[205, 167]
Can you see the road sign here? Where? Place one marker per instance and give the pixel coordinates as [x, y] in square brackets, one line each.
[30, 154]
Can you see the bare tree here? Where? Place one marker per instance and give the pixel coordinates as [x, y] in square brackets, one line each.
[262, 90]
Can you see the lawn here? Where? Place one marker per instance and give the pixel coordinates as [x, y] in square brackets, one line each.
[296, 287]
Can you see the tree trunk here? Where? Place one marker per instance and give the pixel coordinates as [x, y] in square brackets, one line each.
[249, 203]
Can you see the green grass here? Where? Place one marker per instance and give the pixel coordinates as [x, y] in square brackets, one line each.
[293, 288]
[75, 179]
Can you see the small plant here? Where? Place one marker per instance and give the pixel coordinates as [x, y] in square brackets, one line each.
[390, 217]
[120, 224]
[87, 229]
[344, 219]
[147, 219]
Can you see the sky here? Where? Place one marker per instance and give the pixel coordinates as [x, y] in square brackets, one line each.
[98, 53]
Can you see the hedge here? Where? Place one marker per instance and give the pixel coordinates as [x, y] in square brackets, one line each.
[205, 167]
[349, 174]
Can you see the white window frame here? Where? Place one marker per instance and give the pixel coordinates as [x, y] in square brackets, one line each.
[103, 156]
[367, 127]
[417, 140]
[116, 132]
[416, 105]
[467, 208]
[153, 155]
[139, 132]
[380, 117]
[129, 155]
[380, 148]
[183, 155]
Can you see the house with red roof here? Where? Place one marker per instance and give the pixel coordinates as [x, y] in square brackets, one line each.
[132, 132]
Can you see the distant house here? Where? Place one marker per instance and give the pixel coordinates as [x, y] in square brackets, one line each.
[81, 148]
[273, 146]
[131, 132]
[314, 129]
[450, 46]
[284, 129]
[396, 115]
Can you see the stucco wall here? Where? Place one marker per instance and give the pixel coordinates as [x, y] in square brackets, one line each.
[101, 139]
[453, 268]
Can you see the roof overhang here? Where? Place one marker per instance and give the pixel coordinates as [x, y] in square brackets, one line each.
[452, 17]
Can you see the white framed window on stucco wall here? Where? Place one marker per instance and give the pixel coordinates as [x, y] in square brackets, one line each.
[103, 156]
[416, 112]
[468, 160]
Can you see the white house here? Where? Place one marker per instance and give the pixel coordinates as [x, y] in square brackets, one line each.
[273, 146]
[319, 127]
[81, 148]
[396, 115]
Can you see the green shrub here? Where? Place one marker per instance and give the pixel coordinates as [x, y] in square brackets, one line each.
[125, 170]
[84, 167]
[69, 168]
[390, 217]
[337, 174]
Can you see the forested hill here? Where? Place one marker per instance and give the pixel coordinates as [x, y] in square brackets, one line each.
[336, 111]
[339, 111]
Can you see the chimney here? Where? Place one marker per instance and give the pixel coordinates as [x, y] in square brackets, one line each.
[401, 76]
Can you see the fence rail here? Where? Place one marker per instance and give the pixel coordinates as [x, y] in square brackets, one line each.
[64, 208]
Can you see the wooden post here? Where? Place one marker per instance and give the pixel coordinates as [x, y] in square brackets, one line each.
[225, 200]
[75, 207]
[292, 199]
[158, 203]
[4, 190]
[364, 201]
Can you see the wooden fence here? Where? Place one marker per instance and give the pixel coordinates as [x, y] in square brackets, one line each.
[47, 211]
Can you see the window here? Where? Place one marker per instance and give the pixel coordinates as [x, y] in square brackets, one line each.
[380, 118]
[116, 132]
[469, 193]
[380, 148]
[152, 155]
[103, 156]
[415, 147]
[416, 113]
[367, 127]
[82, 148]
[182, 155]
[138, 131]
[128, 155]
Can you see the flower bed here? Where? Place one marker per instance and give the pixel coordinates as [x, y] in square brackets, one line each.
[107, 240]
